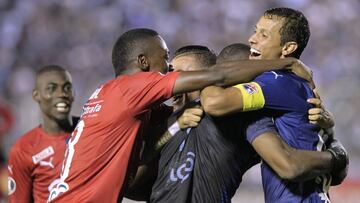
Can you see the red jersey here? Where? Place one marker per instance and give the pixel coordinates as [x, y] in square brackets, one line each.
[34, 165]
[107, 137]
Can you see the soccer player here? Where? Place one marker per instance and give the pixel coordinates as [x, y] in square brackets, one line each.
[234, 51]
[6, 123]
[207, 163]
[104, 149]
[280, 33]
[35, 159]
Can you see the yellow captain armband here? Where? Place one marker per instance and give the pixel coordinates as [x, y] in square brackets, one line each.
[253, 97]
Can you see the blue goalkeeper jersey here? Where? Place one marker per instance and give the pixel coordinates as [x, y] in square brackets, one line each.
[206, 164]
[284, 96]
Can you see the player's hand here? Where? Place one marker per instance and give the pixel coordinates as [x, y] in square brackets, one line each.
[303, 71]
[190, 117]
[319, 115]
[340, 161]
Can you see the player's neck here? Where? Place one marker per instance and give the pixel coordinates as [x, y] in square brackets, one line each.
[55, 127]
[130, 71]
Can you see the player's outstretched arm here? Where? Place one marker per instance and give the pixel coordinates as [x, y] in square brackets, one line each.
[294, 164]
[219, 101]
[233, 72]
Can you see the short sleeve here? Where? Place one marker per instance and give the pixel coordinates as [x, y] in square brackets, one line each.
[259, 124]
[284, 91]
[20, 180]
[252, 96]
[147, 89]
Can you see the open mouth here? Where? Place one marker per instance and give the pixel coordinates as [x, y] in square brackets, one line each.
[62, 107]
[254, 53]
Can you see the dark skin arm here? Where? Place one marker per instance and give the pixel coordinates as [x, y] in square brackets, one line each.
[234, 72]
[289, 163]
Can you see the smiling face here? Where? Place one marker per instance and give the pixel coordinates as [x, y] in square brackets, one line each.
[266, 40]
[54, 94]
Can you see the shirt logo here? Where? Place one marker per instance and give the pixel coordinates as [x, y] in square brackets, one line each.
[47, 163]
[45, 153]
[276, 75]
[57, 190]
[11, 185]
[95, 93]
[183, 171]
[250, 88]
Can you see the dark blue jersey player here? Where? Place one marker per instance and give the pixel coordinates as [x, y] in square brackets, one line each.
[206, 163]
[282, 32]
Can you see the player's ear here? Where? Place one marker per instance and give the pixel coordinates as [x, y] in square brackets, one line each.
[143, 62]
[289, 48]
[35, 95]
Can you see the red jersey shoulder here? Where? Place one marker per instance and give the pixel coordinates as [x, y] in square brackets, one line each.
[28, 140]
[154, 75]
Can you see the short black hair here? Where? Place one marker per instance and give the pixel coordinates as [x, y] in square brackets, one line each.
[129, 45]
[46, 69]
[295, 27]
[237, 51]
[49, 68]
[205, 56]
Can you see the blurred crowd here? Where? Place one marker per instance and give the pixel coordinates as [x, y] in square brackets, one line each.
[79, 35]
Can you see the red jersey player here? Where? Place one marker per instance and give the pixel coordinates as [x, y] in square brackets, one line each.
[35, 159]
[104, 149]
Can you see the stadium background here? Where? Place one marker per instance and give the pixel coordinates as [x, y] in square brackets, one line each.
[79, 36]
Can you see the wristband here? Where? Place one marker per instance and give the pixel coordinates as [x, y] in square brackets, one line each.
[174, 128]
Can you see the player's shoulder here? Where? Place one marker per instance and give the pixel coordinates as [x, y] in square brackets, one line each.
[153, 75]
[274, 75]
[279, 77]
[28, 139]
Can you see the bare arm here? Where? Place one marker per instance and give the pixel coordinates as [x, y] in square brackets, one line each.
[230, 73]
[219, 101]
[290, 163]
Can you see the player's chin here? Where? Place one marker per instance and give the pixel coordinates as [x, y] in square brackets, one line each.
[61, 117]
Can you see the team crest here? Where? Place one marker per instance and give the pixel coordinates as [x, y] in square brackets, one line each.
[250, 88]
[11, 185]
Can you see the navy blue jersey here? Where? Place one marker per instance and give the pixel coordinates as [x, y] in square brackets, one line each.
[206, 164]
[285, 97]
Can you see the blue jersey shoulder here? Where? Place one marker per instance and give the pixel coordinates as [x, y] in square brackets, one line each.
[284, 91]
